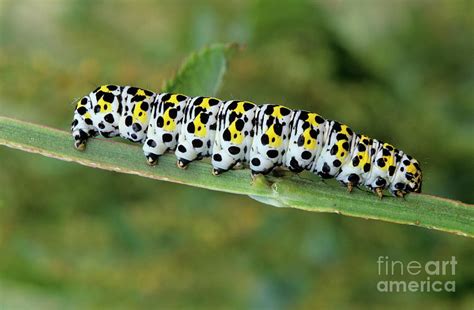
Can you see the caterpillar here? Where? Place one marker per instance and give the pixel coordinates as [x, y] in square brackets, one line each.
[237, 132]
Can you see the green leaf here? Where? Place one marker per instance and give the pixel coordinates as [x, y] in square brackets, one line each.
[289, 191]
[201, 74]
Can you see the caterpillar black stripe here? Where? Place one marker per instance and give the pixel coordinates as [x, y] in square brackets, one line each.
[240, 132]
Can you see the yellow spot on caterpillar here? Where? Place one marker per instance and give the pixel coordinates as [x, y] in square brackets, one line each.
[199, 127]
[240, 106]
[390, 162]
[307, 137]
[344, 129]
[277, 111]
[104, 89]
[170, 124]
[105, 107]
[236, 136]
[205, 103]
[341, 152]
[141, 92]
[139, 114]
[174, 99]
[365, 159]
[312, 119]
[274, 140]
[87, 115]
[365, 154]
[411, 169]
[389, 159]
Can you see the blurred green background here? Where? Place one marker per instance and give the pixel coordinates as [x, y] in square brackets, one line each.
[70, 236]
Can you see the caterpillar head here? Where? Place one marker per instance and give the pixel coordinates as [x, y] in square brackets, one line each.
[408, 177]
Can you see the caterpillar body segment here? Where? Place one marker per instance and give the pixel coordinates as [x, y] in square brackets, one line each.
[306, 140]
[234, 135]
[136, 103]
[235, 132]
[357, 169]
[164, 126]
[336, 150]
[270, 143]
[98, 113]
[106, 112]
[198, 130]
[407, 178]
[383, 168]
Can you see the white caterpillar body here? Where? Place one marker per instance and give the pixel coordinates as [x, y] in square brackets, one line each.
[240, 132]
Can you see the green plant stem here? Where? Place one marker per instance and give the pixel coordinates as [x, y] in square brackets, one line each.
[293, 191]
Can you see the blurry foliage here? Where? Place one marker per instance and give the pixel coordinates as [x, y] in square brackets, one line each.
[401, 71]
[201, 74]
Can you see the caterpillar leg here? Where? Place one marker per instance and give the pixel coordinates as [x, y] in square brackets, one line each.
[182, 163]
[236, 165]
[352, 181]
[222, 162]
[350, 186]
[153, 148]
[185, 154]
[218, 171]
[261, 165]
[80, 136]
[400, 194]
[379, 192]
[151, 159]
